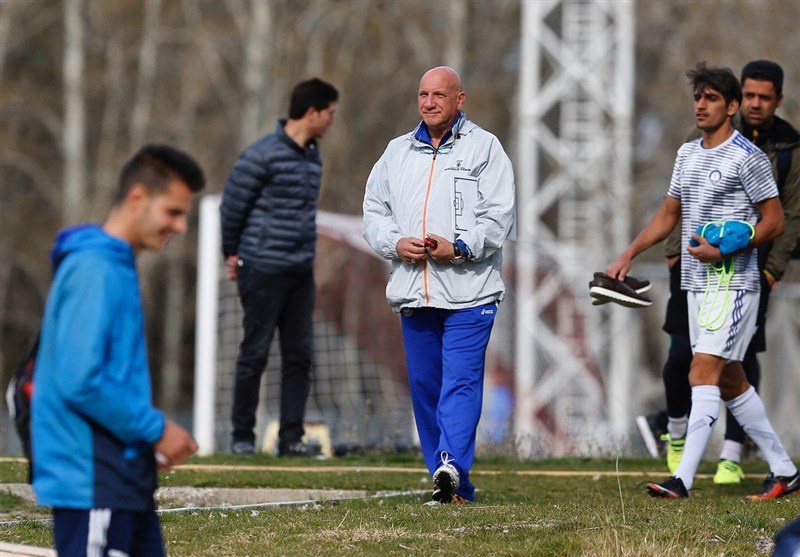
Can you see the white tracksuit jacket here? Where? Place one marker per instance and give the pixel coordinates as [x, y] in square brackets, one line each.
[415, 189]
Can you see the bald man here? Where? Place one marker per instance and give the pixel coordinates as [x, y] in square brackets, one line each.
[439, 204]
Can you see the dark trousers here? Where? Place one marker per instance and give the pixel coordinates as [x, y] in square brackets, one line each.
[101, 532]
[679, 359]
[276, 300]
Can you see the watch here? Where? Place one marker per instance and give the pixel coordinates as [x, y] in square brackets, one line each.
[458, 255]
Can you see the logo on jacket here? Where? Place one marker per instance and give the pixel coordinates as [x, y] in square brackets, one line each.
[458, 167]
[715, 177]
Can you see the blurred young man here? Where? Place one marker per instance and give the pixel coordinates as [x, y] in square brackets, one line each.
[762, 92]
[439, 204]
[269, 238]
[723, 181]
[97, 439]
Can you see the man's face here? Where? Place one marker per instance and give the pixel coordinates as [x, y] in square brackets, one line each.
[159, 215]
[321, 120]
[710, 109]
[439, 100]
[759, 102]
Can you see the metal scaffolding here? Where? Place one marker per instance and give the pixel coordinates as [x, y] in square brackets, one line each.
[573, 361]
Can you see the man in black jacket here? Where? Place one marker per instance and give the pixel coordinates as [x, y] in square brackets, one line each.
[269, 210]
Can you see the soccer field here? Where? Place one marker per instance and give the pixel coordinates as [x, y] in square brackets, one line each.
[549, 507]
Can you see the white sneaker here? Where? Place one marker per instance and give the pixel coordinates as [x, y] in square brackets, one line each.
[445, 480]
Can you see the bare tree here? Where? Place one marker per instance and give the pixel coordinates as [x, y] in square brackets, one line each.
[74, 134]
[148, 57]
[256, 57]
[455, 44]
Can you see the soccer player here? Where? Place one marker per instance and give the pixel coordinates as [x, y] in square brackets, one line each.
[97, 439]
[719, 180]
[439, 204]
[762, 91]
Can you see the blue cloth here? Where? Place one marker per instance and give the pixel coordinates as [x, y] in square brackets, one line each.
[93, 423]
[729, 236]
[787, 540]
[445, 355]
[102, 530]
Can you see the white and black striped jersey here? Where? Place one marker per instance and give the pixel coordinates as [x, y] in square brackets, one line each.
[720, 184]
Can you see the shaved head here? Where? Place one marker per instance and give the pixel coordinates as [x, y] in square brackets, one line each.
[440, 100]
[445, 74]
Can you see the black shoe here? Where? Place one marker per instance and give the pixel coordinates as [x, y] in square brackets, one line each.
[243, 448]
[671, 488]
[777, 486]
[298, 448]
[609, 289]
[651, 428]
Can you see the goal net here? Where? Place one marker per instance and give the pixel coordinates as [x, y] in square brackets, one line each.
[359, 390]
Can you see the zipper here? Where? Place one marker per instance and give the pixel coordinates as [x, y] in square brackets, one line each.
[425, 232]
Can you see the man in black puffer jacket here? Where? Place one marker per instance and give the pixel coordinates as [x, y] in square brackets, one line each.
[269, 211]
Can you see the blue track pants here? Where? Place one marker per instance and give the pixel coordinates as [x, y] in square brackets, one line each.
[446, 356]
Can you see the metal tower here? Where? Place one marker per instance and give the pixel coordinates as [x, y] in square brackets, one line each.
[573, 361]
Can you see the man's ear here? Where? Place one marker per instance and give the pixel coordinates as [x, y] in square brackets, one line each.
[138, 195]
[733, 108]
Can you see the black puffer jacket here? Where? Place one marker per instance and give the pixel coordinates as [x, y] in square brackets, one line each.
[269, 205]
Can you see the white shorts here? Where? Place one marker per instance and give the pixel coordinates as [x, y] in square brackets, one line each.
[719, 328]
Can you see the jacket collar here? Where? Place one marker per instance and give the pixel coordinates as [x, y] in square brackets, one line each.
[781, 134]
[280, 132]
[423, 137]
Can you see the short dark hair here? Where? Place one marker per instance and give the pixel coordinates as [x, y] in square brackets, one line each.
[155, 166]
[722, 80]
[314, 93]
[764, 70]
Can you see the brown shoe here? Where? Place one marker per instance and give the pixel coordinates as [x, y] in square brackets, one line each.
[628, 293]
[641, 286]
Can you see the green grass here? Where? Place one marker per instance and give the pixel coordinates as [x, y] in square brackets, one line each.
[516, 514]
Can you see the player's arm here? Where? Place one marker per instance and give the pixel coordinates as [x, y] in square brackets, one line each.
[771, 224]
[86, 318]
[656, 230]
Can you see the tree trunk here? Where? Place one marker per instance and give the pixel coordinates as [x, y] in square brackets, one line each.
[455, 43]
[256, 46]
[148, 50]
[74, 135]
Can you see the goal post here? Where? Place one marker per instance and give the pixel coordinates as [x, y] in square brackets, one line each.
[205, 348]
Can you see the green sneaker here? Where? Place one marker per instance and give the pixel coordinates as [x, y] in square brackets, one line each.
[674, 451]
[728, 473]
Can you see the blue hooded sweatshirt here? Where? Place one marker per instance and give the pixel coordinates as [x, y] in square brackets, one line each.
[92, 419]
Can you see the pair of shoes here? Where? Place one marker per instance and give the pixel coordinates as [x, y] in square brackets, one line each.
[651, 428]
[671, 488]
[445, 480]
[628, 292]
[243, 448]
[728, 473]
[298, 448]
[674, 451]
[777, 486]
